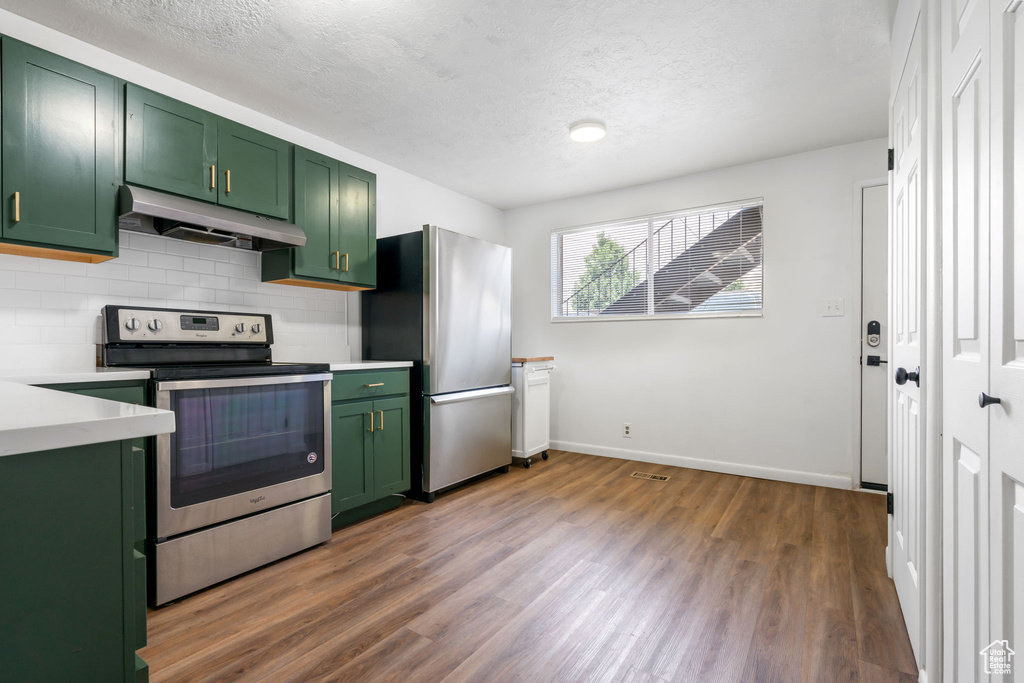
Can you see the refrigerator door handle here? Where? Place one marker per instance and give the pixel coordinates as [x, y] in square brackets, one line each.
[471, 395]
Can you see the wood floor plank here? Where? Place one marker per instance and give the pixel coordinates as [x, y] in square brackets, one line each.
[830, 645]
[776, 649]
[570, 570]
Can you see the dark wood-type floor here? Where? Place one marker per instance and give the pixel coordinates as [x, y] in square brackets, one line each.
[568, 571]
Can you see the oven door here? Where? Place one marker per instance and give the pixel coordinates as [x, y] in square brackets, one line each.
[241, 445]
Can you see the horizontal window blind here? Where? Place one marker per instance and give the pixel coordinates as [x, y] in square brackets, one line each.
[691, 262]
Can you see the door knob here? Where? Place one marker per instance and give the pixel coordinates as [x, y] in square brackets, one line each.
[902, 376]
[985, 400]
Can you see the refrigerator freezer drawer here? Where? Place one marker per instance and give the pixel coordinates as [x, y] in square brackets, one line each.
[467, 433]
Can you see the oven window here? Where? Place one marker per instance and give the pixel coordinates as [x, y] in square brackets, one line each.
[237, 439]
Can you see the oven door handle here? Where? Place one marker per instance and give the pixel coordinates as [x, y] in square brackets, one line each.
[230, 382]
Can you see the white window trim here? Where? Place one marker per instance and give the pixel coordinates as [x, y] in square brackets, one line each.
[751, 313]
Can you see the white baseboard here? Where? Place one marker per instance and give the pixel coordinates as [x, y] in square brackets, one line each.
[833, 481]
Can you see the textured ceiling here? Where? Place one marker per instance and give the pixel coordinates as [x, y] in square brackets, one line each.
[478, 95]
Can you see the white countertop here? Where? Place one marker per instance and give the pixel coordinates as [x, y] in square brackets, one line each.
[72, 375]
[35, 419]
[370, 365]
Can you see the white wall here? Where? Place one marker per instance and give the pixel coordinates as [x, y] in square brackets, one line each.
[404, 203]
[771, 396]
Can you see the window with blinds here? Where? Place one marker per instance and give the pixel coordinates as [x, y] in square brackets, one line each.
[696, 262]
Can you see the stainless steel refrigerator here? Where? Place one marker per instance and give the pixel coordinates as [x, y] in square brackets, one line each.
[444, 301]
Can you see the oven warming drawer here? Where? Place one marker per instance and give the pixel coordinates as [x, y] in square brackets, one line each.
[194, 561]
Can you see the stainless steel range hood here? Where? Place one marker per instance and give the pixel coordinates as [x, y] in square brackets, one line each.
[144, 210]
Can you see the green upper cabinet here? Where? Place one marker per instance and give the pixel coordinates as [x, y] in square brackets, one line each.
[175, 147]
[336, 207]
[316, 212]
[169, 145]
[358, 226]
[255, 170]
[59, 156]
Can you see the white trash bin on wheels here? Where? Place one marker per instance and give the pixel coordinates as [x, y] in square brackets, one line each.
[531, 408]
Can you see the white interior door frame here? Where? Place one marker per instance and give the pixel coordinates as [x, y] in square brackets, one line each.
[856, 304]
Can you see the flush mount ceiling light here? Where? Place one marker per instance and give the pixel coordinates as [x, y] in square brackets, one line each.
[586, 131]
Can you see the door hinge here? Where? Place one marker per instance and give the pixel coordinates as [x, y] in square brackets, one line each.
[892, 159]
[888, 502]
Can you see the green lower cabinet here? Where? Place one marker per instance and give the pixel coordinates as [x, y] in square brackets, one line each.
[371, 449]
[68, 580]
[351, 455]
[61, 172]
[391, 447]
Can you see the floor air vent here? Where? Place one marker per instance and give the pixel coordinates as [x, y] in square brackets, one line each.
[648, 475]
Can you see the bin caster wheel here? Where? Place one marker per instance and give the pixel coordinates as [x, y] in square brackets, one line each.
[526, 464]
[544, 455]
[504, 470]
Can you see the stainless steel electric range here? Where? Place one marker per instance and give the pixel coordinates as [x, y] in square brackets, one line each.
[245, 478]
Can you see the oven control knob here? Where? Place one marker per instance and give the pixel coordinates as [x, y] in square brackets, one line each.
[132, 324]
[256, 328]
[240, 327]
[155, 325]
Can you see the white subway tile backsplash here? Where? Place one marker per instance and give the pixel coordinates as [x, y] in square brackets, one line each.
[38, 317]
[182, 248]
[50, 310]
[63, 300]
[229, 270]
[198, 265]
[40, 282]
[144, 274]
[19, 298]
[166, 261]
[8, 262]
[166, 291]
[143, 242]
[127, 288]
[62, 267]
[213, 281]
[85, 285]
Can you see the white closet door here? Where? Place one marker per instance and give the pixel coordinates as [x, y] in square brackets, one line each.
[966, 96]
[906, 423]
[1006, 419]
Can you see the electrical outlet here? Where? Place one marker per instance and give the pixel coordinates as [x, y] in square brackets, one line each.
[832, 308]
[627, 430]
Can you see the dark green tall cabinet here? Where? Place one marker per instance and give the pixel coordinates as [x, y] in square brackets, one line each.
[370, 435]
[178, 148]
[61, 126]
[336, 206]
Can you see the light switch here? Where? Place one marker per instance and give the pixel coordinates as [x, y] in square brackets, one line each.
[832, 308]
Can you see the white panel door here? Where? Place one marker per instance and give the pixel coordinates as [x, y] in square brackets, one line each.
[1006, 419]
[966, 96]
[906, 341]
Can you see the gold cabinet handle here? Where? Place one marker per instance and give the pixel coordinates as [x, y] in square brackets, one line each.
[371, 422]
[213, 176]
[381, 413]
[17, 207]
[227, 184]
[345, 270]
[378, 384]
[337, 259]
